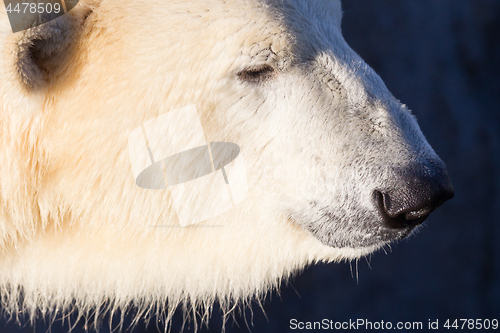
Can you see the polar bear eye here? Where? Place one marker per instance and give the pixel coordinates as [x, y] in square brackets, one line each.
[257, 74]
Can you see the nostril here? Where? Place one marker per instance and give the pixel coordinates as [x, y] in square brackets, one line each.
[395, 218]
[412, 202]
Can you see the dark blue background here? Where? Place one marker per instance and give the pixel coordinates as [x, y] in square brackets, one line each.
[442, 59]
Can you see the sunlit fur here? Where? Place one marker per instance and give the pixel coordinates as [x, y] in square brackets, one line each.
[77, 234]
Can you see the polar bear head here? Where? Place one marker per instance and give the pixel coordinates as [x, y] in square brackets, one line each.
[336, 167]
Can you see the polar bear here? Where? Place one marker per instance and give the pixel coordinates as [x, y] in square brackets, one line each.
[336, 167]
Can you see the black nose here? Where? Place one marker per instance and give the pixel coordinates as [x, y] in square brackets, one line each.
[415, 195]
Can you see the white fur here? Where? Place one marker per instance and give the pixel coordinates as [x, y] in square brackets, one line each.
[75, 227]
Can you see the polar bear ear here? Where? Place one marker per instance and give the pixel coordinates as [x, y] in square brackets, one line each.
[43, 49]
